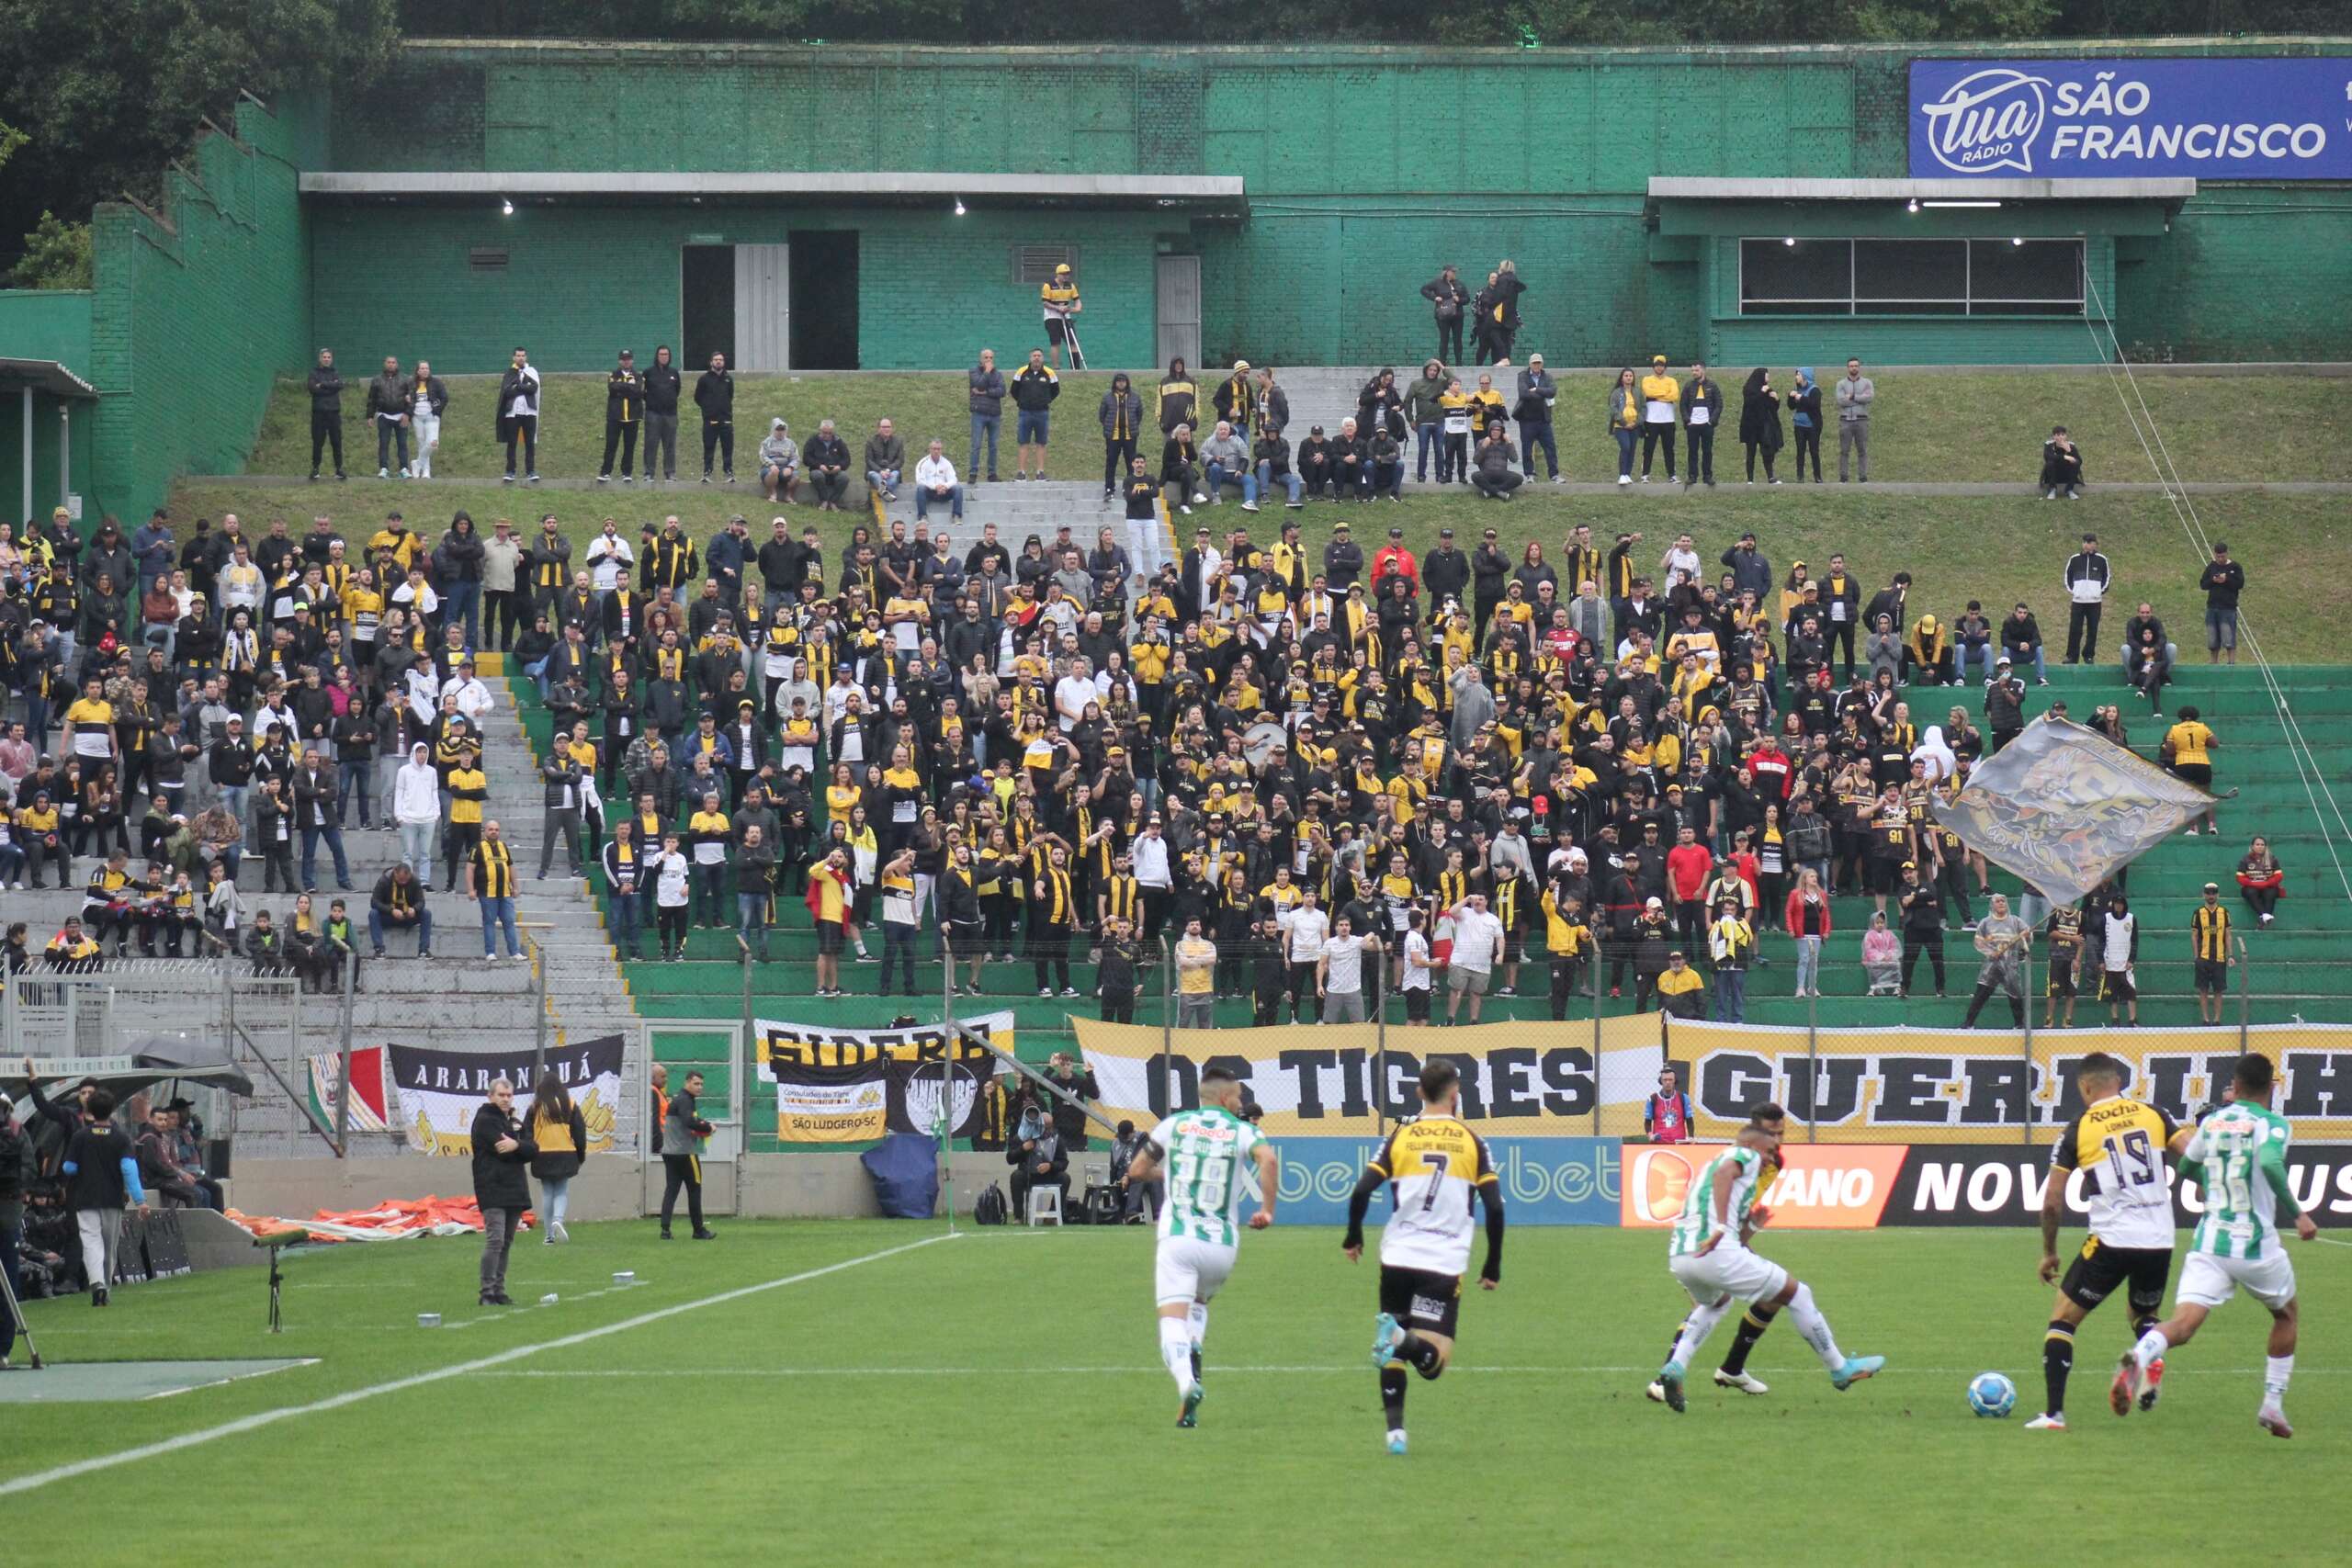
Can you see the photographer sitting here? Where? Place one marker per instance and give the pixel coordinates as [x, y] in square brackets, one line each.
[1141, 1201]
[1037, 1157]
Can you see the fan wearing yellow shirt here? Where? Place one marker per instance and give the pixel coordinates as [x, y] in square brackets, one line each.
[89, 725]
[2188, 752]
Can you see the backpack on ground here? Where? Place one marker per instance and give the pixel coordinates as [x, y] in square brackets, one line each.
[989, 1208]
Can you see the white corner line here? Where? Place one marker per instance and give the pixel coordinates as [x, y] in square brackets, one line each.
[232, 1377]
[37, 1478]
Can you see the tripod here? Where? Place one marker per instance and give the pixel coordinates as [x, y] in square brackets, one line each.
[16, 1314]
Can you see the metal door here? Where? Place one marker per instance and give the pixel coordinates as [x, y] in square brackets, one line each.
[763, 308]
[714, 1050]
[1179, 309]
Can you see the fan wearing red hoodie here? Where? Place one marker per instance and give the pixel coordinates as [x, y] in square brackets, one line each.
[1769, 766]
[1688, 864]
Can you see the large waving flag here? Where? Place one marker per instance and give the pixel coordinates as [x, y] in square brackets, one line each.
[2065, 808]
[369, 1101]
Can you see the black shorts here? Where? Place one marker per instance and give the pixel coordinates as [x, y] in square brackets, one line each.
[2212, 975]
[1416, 1004]
[2062, 976]
[2115, 986]
[1057, 329]
[2197, 774]
[2098, 1269]
[829, 939]
[1419, 1299]
[963, 938]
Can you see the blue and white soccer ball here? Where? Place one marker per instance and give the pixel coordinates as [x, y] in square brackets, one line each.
[1992, 1395]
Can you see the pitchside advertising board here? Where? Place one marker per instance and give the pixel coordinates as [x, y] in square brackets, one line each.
[2120, 118]
[1863, 1186]
[1545, 1181]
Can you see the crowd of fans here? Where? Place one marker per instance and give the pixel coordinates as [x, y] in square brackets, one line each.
[1322, 775]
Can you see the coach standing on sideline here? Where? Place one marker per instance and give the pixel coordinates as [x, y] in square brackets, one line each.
[682, 1128]
[502, 1155]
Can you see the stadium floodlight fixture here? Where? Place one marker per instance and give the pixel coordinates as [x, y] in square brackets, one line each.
[506, 207]
[1960, 204]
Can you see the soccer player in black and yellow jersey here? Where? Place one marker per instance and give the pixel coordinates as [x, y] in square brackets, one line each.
[1435, 1165]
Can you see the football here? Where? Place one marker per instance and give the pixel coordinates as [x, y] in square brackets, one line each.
[1992, 1395]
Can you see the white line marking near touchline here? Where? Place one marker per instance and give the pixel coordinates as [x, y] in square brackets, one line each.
[173, 1445]
[1147, 1370]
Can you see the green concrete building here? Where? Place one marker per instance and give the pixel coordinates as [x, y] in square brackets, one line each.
[821, 207]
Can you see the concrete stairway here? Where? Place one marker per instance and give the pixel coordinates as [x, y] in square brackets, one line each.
[454, 1001]
[1020, 508]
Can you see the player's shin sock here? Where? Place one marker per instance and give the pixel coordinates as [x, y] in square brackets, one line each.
[2152, 1345]
[1197, 1324]
[2275, 1370]
[1815, 1328]
[2057, 1361]
[1420, 1355]
[1695, 1329]
[1176, 1351]
[1392, 1396]
[1752, 1325]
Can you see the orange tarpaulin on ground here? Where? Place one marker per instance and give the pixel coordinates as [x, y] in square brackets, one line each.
[394, 1221]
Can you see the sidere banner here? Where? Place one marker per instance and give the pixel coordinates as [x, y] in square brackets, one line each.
[1953, 1086]
[440, 1091]
[853, 1085]
[1525, 1079]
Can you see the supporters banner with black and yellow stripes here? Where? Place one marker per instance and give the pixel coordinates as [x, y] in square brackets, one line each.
[854, 1086]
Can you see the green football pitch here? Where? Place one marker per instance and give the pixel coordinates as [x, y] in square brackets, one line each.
[854, 1393]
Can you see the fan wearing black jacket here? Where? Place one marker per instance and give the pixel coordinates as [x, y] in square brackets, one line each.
[624, 417]
[1450, 302]
[326, 412]
[661, 388]
[714, 395]
[503, 1152]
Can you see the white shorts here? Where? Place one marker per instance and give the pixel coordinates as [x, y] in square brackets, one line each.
[1188, 1269]
[2208, 1282]
[1728, 1270]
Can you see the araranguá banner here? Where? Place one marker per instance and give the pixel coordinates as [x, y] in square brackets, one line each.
[440, 1091]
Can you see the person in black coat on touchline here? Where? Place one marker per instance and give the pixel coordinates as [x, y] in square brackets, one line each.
[503, 1154]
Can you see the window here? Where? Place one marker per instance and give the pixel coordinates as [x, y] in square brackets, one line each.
[1910, 278]
[487, 258]
[1033, 265]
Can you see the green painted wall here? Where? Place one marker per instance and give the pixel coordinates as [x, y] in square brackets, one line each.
[47, 324]
[581, 283]
[1366, 169]
[198, 307]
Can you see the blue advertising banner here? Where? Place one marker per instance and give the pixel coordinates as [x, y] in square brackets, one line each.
[1545, 1181]
[2209, 119]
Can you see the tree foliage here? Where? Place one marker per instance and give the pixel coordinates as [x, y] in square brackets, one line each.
[56, 255]
[108, 94]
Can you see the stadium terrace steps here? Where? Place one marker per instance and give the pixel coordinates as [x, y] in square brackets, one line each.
[2299, 968]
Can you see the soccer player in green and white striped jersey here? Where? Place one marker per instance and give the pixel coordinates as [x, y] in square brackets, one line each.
[1203, 1151]
[2239, 1153]
[1708, 1256]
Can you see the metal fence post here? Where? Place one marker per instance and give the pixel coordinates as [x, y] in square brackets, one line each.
[1600, 1077]
[1813, 1064]
[2025, 982]
[343, 1081]
[1168, 1020]
[2245, 1002]
[538, 1014]
[1380, 1058]
[950, 1044]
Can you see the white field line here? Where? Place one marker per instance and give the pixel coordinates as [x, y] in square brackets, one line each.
[185, 1441]
[1351, 1369]
[234, 1377]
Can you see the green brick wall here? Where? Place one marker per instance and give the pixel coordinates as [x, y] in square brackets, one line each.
[198, 307]
[582, 282]
[1366, 169]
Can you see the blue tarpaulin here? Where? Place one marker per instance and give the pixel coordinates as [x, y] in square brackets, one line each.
[905, 1169]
